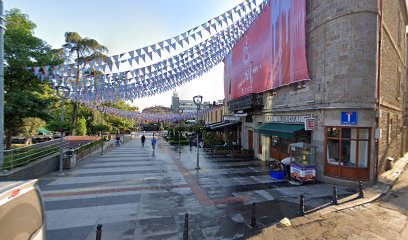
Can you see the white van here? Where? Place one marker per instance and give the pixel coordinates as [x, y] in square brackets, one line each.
[21, 211]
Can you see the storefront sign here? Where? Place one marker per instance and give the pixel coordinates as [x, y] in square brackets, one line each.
[349, 118]
[231, 118]
[287, 119]
[310, 123]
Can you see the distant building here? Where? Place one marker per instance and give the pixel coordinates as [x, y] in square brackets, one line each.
[188, 106]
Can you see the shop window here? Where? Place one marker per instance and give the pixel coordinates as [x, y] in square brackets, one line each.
[348, 147]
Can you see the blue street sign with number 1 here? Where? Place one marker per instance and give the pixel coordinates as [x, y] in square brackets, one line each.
[349, 118]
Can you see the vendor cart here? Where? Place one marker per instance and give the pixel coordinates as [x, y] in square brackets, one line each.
[303, 166]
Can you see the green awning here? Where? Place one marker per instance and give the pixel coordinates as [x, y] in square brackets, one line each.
[43, 131]
[279, 129]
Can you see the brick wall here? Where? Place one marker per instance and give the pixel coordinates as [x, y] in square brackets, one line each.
[393, 82]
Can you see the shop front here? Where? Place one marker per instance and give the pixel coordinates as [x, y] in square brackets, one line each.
[282, 131]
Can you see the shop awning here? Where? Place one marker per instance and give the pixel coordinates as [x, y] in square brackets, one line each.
[279, 130]
[43, 131]
[222, 125]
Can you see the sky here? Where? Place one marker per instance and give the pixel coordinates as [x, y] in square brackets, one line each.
[125, 25]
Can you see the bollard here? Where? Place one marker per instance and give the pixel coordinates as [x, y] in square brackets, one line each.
[302, 205]
[185, 231]
[335, 195]
[99, 232]
[253, 218]
[360, 189]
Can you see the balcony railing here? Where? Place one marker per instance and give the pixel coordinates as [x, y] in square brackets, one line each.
[251, 101]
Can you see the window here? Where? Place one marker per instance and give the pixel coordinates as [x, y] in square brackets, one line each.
[222, 116]
[216, 116]
[399, 83]
[389, 128]
[347, 147]
[401, 31]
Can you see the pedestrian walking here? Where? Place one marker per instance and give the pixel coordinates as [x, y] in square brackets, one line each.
[117, 141]
[143, 139]
[190, 142]
[154, 141]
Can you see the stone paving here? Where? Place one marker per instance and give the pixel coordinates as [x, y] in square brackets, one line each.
[137, 194]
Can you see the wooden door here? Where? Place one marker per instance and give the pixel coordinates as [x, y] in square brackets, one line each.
[250, 140]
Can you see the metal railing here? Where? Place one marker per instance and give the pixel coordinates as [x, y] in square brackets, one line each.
[21, 156]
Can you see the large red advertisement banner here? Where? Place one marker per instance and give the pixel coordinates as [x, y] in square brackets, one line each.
[271, 53]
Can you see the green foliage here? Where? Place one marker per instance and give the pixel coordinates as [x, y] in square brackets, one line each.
[101, 128]
[80, 50]
[200, 128]
[182, 141]
[81, 128]
[171, 133]
[117, 123]
[23, 156]
[87, 146]
[58, 126]
[25, 95]
[31, 125]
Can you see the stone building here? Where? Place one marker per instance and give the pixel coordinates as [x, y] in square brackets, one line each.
[356, 54]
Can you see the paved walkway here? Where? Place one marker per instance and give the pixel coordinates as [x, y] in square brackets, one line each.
[386, 218]
[136, 194]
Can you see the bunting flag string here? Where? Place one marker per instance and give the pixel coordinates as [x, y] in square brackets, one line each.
[157, 77]
[137, 116]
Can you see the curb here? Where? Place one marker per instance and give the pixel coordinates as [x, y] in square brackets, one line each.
[381, 188]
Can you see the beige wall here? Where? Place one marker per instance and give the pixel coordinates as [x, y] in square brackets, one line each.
[216, 115]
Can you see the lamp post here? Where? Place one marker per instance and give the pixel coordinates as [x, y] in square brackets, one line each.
[62, 92]
[179, 111]
[197, 101]
[101, 109]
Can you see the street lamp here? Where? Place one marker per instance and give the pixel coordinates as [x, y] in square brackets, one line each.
[179, 111]
[197, 101]
[101, 109]
[62, 92]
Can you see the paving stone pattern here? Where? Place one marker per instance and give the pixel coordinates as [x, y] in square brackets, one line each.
[137, 194]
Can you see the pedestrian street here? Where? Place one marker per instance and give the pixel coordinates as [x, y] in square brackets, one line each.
[137, 194]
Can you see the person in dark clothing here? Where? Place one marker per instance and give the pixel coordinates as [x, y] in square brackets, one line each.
[190, 142]
[117, 140]
[143, 139]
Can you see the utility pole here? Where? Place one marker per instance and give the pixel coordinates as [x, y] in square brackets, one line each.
[3, 28]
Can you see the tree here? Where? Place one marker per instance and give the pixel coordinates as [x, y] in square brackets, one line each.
[25, 95]
[30, 127]
[82, 127]
[79, 50]
[118, 123]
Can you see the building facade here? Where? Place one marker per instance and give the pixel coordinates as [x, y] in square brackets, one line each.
[355, 100]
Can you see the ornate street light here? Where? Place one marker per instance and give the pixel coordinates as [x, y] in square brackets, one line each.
[179, 111]
[101, 109]
[63, 92]
[197, 101]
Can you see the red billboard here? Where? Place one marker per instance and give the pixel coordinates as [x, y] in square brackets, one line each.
[271, 53]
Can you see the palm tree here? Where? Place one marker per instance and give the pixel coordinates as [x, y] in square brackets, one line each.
[81, 50]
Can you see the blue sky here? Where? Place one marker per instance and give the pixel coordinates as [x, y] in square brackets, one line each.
[125, 25]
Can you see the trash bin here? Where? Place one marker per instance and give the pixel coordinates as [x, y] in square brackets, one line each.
[69, 159]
